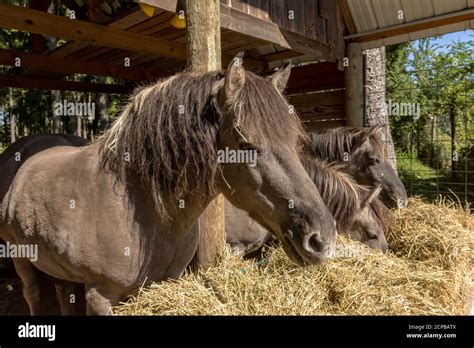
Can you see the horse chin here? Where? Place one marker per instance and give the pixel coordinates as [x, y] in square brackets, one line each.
[288, 246]
[291, 251]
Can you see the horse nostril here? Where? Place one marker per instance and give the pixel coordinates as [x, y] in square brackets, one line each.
[312, 243]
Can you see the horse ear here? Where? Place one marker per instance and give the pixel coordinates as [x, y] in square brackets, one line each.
[372, 195]
[280, 78]
[368, 132]
[373, 130]
[235, 78]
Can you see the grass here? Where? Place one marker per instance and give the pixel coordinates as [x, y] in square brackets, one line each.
[411, 168]
[420, 179]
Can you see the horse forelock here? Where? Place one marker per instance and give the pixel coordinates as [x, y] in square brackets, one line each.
[266, 117]
[339, 191]
[381, 213]
[336, 143]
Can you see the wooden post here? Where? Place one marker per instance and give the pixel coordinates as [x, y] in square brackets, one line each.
[204, 54]
[354, 80]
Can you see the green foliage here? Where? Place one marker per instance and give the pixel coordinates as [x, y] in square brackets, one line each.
[439, 78]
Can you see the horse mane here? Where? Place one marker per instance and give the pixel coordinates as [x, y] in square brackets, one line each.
[340, 193]
[332, 144]
[383, 214]
[168, 131]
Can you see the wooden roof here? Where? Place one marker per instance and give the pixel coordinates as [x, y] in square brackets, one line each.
[268, 31]
[382, 23]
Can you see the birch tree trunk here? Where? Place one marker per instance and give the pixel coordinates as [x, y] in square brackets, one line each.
[55, 95]
[376, 112]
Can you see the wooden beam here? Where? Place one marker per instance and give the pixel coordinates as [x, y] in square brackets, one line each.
[281, 55]
[266, 31]
[62, 85]
[354, 80]
[37, 42]
[410, 27]
[67, 66]
[315, 77]
[133, 18]
[304, 44]
[125, 21]
[249, 25]
[20, 18]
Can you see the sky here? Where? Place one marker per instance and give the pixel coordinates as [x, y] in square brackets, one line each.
[446, 39]
[463, 36]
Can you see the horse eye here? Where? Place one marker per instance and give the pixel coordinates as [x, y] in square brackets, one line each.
[371, 235]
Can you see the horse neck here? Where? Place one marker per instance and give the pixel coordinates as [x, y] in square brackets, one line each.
[337, 143]
[194, 205]
[182, 210]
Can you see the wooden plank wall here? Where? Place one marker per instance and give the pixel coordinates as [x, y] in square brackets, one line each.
[320, 110]
[316, 19]
[317, 93]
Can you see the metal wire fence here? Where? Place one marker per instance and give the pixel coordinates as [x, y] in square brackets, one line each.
[434, 145]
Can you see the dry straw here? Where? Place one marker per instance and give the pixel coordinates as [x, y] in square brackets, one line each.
[428, 271]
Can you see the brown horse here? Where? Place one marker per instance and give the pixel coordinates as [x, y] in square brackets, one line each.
[363, 150]
[119, 212]
[10, 162]
[357, 211]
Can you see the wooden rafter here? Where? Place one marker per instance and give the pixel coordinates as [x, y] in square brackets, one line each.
[20, 18]
[62, 85]
[66, 66]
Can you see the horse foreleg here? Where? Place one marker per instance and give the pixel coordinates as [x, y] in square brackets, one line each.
[30, 284]
[100, 301]
[66, 294]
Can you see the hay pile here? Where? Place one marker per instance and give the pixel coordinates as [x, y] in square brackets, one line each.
[428, 271]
